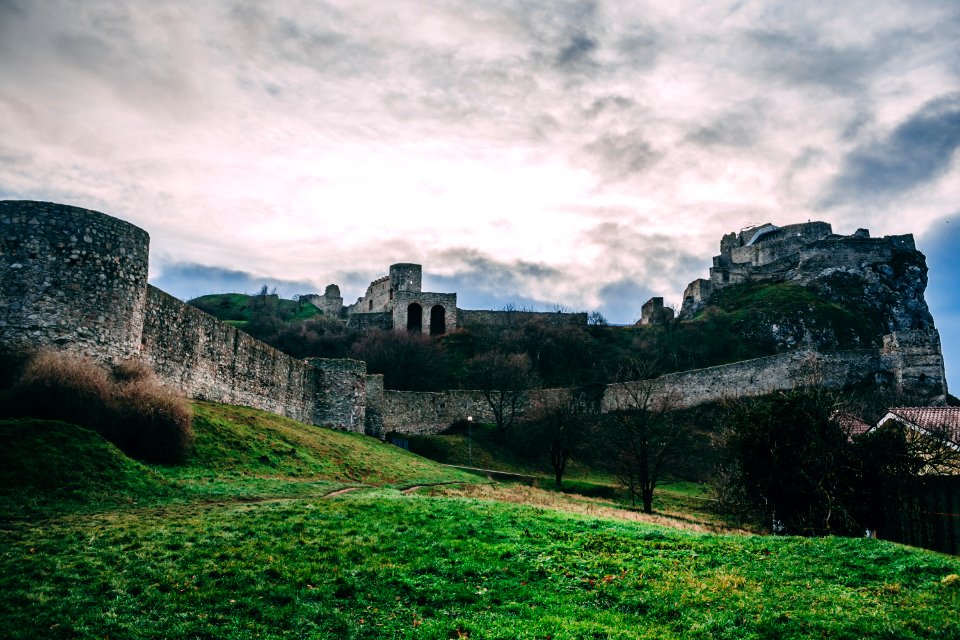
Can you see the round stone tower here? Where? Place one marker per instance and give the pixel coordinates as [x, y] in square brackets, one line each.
[406, 277]
[71, 278]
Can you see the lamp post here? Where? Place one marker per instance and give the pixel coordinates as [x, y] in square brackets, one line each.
[470, 440]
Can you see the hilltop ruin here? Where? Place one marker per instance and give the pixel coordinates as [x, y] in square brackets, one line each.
[76, 280]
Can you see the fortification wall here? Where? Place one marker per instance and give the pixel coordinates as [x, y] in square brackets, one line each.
[914, 361]
[416, 412]
[427, 301]
[405, 276]
[76, 280]
[475, 318]
[852, 252]
[755, 377]
[382, 320]
[419, 413]
[71, 278]
[210, 360]
[374, 412]
[341, 393]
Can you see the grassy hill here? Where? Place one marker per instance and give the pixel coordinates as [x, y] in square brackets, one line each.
[239, 308]
[251, 538]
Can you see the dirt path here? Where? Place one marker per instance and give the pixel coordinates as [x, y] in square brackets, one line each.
[340, 492]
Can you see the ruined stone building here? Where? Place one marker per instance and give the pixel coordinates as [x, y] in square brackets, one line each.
[397, 301]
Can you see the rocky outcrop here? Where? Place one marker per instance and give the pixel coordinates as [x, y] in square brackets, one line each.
[847, 292]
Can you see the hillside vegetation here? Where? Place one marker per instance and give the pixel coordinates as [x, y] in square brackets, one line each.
[742, 322]
[251, 538]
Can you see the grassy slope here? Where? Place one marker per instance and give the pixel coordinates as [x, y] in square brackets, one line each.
[239, 307]
[47, 465]
[275, 561]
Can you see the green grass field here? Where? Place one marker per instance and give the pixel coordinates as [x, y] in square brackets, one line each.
[252, 539]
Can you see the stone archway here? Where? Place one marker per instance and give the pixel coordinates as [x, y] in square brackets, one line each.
[415, 318]
[438, 320]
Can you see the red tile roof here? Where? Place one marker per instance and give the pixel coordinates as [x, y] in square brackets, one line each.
[853, 425]
[931, 417]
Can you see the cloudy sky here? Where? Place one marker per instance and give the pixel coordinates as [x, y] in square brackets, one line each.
[532, 151]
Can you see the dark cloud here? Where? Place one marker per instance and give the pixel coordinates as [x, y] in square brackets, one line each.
[639, 48]
[917, 151]
[607, 104]
[577, 51]
[189, 280]
[736, 129]
[620, 156]
[799, 56]
[482, 282]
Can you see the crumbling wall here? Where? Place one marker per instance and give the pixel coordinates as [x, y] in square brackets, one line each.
[427, 301]
[914, 360]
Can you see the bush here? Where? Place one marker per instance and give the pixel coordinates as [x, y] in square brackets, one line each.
[150, 422]
[129, 407]
[62, 386]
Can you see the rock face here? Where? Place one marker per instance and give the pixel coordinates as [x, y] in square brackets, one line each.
[876, 284]
[887, 273]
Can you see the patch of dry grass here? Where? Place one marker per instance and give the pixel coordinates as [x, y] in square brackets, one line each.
[572, 503]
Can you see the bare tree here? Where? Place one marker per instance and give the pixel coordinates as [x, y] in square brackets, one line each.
[643, 433]
[505, 380]
[564, 429]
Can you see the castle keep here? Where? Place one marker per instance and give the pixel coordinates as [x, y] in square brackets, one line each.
[76, 280]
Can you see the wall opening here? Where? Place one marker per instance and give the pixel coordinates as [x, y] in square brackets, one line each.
[370, 306]
[415, 318]
[438, 320]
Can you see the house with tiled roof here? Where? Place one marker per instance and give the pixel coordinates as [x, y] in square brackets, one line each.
[934, 432]
[943, 421]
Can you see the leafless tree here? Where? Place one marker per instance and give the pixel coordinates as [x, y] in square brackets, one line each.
[565, 428]
[505, 380]
[642, 432]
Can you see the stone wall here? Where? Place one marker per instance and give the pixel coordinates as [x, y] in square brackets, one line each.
[416, 412]
[362, 321]
[71, 278]
[374, 412]
[914, 361]
[211, 360]
[427, 301]
[474, 318]
[341, 393]
[755, 377]
[419, 413]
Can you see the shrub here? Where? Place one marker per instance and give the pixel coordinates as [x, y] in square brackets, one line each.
[130, 408]
[150, 422]
[62, 386]
[132, 371]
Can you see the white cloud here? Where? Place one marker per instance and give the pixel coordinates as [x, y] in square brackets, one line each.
[315, 140]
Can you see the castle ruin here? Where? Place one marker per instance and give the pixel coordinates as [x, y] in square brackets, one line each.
[76, 280]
